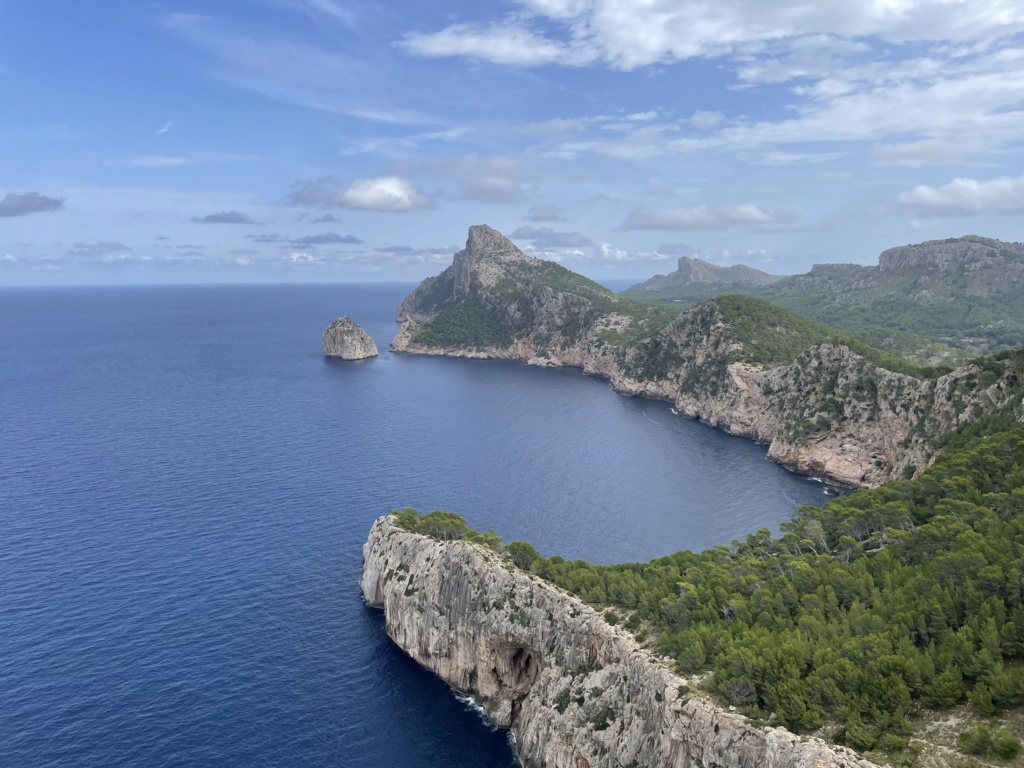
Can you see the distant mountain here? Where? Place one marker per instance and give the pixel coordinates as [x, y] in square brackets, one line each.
[965, 292]
[693, 270]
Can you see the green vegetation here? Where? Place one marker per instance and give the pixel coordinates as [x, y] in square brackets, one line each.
[470, 323]
[912, 592]
[918, 312]
[510, 310]
[445, 526]
[759, 333]
[448, 526]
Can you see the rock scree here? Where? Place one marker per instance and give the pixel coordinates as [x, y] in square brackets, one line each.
[347, 340]
[575, 691]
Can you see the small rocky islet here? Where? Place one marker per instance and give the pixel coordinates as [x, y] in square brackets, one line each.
[346, 339]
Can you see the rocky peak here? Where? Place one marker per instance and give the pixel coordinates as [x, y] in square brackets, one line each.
[483, 261]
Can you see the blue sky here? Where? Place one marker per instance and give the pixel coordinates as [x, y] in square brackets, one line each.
[326, 140]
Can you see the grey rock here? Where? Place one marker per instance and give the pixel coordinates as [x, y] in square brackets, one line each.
[347, 340]
[549, 667]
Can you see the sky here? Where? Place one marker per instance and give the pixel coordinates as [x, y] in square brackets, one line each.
[335, 140]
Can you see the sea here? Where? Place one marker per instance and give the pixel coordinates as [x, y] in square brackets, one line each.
[186, 484]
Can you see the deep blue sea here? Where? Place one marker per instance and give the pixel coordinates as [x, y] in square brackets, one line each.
[186, 484]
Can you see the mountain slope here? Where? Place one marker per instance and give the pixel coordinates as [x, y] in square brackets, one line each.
[826, 403]
[965, 292]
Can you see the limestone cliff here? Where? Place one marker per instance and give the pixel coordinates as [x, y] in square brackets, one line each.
[347, 340]
[575, 691]
[735, 362]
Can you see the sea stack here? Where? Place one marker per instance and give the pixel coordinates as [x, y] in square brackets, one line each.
[347, 340]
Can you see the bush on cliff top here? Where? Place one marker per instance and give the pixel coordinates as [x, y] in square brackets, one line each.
[448, 526]
[445, 526]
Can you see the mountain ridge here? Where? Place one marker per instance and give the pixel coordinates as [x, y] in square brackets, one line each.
[965, 294]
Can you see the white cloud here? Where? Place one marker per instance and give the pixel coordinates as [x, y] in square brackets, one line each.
[626, 34]
[192, 158]
[502, 43]
[165, 129]
[343, 13]
[705, 121]
[99, 249]
[398, 146]
[386, 193]
[159, 161]
[545, 212]
[547, 238]
[967, 197]
[299, 74]
[553, 127]
[481, 178]
[704, 217]
[921, 111]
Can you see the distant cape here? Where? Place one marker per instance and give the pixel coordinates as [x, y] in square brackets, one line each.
[693, 270]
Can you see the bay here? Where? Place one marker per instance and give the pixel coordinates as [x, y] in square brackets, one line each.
[186, 484]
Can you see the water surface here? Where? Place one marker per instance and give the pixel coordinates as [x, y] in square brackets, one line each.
[186, 483]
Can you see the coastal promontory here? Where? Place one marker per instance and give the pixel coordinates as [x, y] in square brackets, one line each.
[575, 691]
[347, 340]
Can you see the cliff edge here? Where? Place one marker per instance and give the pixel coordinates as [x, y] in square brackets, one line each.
[575, 691]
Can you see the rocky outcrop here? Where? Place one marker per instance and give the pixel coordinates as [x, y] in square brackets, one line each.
[347, 340]
[575, 691]
[830, 413]
[952, 254]
[691, 270]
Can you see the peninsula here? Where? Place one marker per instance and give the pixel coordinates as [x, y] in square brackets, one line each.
[575, 691]
[827, 403]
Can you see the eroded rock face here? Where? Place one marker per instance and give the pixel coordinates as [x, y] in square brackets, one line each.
[347, 340]
[547, 666]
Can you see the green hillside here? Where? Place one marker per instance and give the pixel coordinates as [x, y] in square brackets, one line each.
[925, 301]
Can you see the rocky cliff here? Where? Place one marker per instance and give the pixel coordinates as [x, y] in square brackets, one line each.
[347, 340]
[735, 362]
[575, 691]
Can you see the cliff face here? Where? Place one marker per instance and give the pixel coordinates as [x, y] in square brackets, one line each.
[829, 412]
[576, 692]
[347, 340]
